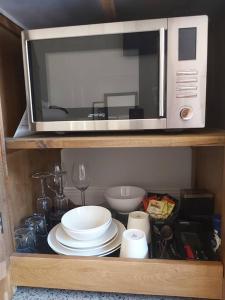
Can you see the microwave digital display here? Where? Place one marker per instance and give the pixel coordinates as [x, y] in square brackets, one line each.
[187, 43]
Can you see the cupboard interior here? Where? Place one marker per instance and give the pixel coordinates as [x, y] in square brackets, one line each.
[207, 172]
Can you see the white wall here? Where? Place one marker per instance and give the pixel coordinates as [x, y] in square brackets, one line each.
[155, 169]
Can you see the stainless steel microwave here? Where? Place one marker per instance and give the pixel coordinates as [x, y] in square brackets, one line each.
[134, 75]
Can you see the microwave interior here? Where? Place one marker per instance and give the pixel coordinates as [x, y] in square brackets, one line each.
[100, 77]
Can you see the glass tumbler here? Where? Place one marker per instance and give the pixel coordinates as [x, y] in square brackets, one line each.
[25, 240]
[38, 222]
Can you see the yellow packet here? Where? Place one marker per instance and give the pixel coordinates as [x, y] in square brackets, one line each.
[155, 207]
[160, 209]
[170, 207]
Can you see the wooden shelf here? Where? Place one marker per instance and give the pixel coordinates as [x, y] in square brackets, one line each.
[112, 274]
[119, 140]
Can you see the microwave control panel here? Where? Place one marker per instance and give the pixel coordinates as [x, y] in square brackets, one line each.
[186, 72]
[186, 84]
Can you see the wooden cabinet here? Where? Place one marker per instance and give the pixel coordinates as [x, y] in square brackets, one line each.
[22, 156]
[149, 276]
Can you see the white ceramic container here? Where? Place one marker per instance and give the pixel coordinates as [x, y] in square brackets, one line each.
[134, 244]
[140, 220]
[64, 239]
[102, 251]
[86, 222]
[124, 199]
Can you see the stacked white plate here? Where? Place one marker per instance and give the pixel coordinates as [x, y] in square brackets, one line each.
[110, 241]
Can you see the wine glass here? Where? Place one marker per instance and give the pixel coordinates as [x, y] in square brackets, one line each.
[44, 203]
[80, 179]
[61, 202]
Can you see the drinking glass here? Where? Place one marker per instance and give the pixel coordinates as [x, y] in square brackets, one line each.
[39, 223]
[60, 201]
[80, 179]
[44, 203]
[25, 240]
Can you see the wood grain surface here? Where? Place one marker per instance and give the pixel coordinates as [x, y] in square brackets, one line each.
[150, 276]
[209, 169]
[22, 190]
[198, 138]
[109, 9]
[12, 88]
[10, 26]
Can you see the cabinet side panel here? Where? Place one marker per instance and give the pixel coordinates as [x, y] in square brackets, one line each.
[21, 188]
[6, 290]
[6, 242]
[12, 88]
[209, 165]
[210, 174]
[7, 29]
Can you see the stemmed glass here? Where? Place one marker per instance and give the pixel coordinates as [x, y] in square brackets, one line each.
[80, 179]
[61, 202]
[44, 203]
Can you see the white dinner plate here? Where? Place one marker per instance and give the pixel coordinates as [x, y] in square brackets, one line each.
[104, 250]
[91, 248]
[68, 241]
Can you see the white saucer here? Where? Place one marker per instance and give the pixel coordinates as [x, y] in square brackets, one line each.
[69, 242]
[104, 250]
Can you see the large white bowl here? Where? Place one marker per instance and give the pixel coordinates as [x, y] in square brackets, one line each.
[86, 222]
[124, 199]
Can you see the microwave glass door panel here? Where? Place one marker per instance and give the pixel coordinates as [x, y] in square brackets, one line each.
[95, 77]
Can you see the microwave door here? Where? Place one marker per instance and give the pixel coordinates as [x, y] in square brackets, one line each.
[98, 81]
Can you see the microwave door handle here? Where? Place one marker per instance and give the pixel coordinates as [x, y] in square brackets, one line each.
[59, 107]
[161, 70]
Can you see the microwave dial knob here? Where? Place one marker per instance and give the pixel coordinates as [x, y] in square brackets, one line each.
[186, 113]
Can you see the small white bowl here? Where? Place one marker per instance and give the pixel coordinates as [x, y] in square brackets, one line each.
[86, 222]
[124, 199]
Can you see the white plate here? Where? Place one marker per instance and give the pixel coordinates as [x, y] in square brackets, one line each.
[68, 241]
[91, 248]
[104, 250]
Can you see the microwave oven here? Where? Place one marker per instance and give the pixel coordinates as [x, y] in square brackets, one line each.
[135, 75]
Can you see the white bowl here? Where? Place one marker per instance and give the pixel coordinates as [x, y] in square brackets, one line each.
[86, 222]
[124, 199]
